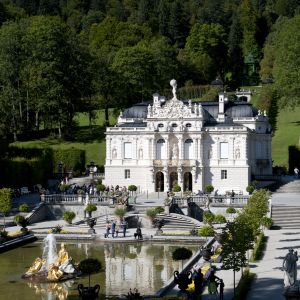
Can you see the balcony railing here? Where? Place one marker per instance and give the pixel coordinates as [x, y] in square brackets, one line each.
[174, 162]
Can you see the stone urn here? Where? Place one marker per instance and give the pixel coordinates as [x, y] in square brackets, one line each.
[182, 279]
[88, 293]
[91, 223]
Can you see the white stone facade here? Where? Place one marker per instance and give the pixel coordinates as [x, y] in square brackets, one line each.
[156, 145]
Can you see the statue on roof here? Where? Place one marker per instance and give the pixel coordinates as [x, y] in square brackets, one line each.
[173, 84]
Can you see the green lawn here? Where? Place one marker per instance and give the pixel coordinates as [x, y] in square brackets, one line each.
[287, 134]
[92, 140]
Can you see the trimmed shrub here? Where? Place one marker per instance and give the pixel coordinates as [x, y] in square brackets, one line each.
[151, 213]
[159, 209]
[24, 207]
[89, 266]
[69, 216]
[64, 187]
[181, 253]
[100, 187]
[90, 208]
[176, 188]
[206, 231]
[132, 188]
[208, 217]
[259, 247]
[219, 219]
[250, 189]
[120, 212]
[230, 210]
[208, 189]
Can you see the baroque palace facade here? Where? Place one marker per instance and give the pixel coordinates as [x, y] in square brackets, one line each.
[157, 145]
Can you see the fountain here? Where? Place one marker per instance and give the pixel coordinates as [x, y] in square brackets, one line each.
[52, 267]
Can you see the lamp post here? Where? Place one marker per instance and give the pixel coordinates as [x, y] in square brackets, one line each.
[60, 169]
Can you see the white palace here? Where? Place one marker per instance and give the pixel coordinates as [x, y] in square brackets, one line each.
[155, 145]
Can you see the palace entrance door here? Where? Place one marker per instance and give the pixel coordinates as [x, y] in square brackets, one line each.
[173, 179]
[187, 181]
[159, 182]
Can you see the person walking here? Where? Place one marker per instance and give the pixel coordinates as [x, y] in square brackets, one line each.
[124, 227]
[107, 229]
[221, 285]
[113, 228]
[198, 283]
[296, 171]
[117, 228]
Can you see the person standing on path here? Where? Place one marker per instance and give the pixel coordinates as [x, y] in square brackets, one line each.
[289, 267]
[221, 284]
[124, 227]
[198, 283]
[296, 171]
[113, 228]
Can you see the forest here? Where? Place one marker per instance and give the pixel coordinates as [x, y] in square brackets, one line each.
[62, 57]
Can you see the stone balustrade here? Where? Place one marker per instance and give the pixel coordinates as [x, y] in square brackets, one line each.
[76, 199]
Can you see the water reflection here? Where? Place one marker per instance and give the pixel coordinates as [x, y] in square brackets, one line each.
[145, 266]
[52, 291]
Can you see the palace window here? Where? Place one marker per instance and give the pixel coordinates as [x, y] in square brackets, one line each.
[188, 149]
[174, 125]
[161, 149]
[224, 150]
[223, 174]
[127, 150]
[160, 125]
[188, 125]
[127, 173]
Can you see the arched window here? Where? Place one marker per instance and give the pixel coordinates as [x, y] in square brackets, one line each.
[161, 149]
[188, 149]
[174, 125]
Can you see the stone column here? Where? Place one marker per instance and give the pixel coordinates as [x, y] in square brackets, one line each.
[179, 171]
[166, 178]
[108, 152]
[180, 150]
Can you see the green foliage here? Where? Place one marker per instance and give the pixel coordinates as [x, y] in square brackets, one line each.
[266, 222]
[56, 229]
[159, 209]
[206, 231]
[100, 187]
[120, 212]
[219, 219]
[89, 266]
[176, 188]
[294, 158]
[259, 247]
[151, 213]
[64, 187]
[69, 216]
[230, 210]
[3, 233]
[208, 217]
[244, 285]
[72, 159]
[90, 208]
[5, 200]
[181, 253]
[21, 221]
[236, 239]
[24, 207]
[250, 189]
[132, 188]
[208, 189]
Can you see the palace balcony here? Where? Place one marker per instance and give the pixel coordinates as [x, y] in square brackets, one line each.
[174, 162]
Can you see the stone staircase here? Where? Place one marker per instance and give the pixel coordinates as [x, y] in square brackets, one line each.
[286, 213]
[173, 222]
[291, 187]
[286, 216]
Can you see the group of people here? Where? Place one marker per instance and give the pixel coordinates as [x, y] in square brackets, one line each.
[115, 227]
[214, 283]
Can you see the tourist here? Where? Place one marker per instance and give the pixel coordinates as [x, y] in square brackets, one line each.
[107, 229]
[221, 284]
[296, 171]
[124, 227]
[113, 228]
[212, 283]
[138, 233]
[117, 228]
[198, 283]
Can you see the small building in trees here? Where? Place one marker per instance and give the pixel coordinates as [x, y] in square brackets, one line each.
[158, 144]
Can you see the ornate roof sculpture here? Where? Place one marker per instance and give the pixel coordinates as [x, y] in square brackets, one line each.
[173, 108]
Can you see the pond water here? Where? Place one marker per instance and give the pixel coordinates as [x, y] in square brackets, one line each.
[145, 266]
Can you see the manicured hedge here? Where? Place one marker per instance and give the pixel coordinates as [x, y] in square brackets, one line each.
[29, 166]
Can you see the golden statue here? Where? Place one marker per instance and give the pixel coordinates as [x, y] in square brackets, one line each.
[63, 255]
[36, 266]
[54, 273]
